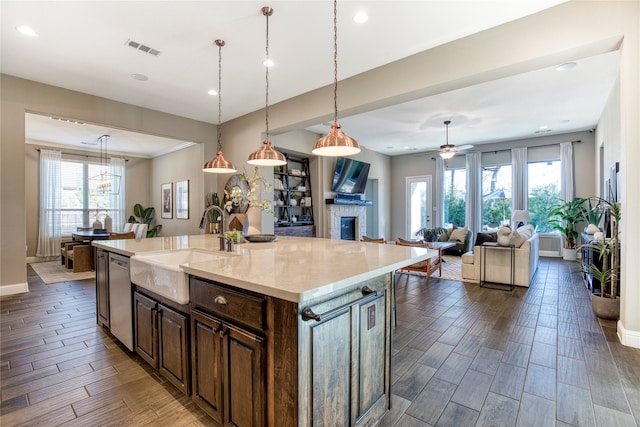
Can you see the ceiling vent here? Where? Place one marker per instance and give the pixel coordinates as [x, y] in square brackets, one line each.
[143, 48]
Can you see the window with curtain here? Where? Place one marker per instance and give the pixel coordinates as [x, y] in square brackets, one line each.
[455, 192]
[544, 192]
[81, 206]
[496, 196]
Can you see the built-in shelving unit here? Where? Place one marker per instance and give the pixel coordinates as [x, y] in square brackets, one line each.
[292, 205]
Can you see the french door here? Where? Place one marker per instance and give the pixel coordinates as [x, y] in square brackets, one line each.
[419, 204]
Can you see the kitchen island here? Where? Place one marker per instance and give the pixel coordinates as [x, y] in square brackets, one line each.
[292, 332]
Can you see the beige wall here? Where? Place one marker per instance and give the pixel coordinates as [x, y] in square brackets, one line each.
[567, 32]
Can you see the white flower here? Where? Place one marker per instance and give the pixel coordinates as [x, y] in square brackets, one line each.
[253, 195]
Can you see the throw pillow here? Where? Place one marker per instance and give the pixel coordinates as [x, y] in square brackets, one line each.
[516, 239]
[503, 236]
[458, 235]
[485, 237]
[444, 237]
[449, 231]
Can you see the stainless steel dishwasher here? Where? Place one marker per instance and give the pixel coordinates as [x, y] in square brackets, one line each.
[121, 320]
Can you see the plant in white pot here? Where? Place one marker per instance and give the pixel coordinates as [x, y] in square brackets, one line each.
[564, 219]
[606, 303]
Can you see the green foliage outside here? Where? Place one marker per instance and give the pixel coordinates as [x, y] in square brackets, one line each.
[454, 207]
[494, 211]
[542, 200]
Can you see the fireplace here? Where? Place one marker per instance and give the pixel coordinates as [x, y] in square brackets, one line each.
[348, 228]
[338, 212]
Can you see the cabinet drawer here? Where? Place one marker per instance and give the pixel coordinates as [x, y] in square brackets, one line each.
[243, 308]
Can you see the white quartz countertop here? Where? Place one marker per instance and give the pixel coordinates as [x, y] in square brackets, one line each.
[295, 269]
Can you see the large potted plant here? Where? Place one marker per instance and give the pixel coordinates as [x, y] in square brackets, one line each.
[606, 303]
[143, 215]
[564, 219]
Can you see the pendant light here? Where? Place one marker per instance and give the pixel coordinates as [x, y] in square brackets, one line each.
[219, 164]
[335, 143]
[105, 182]
[267, 155]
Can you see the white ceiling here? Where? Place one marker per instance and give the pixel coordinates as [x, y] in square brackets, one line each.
[81, 45]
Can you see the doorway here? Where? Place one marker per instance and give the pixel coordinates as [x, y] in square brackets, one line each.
[419, 204]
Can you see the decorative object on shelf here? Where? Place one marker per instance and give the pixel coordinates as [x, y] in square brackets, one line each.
[167, 200]
[260, 238]
[335, 143]
[293, 199]
[243, 192]
[105, 182]
[182, 199]
[219, 164]
[447, 150]
[267, 155]
[143, 215]
[564, 218]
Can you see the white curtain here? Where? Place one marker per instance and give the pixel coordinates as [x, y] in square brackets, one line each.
[50, 192]
[566, 171]
[439, 192]
[519, 180]
[118, 209]
[473, 215]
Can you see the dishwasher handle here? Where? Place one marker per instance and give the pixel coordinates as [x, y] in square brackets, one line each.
[122, 263]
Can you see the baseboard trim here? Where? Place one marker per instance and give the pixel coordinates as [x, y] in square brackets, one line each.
[628, 337]
[32, 259]
[549, 254]
[17, 288]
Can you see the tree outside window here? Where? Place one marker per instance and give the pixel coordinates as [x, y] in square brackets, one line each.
[496, 196]
[544, 193]
[455, 184]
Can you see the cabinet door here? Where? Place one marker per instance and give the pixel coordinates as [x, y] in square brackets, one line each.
[207, 372]
[102, 288]
[146, 339]
[244, 377]
[173, 353]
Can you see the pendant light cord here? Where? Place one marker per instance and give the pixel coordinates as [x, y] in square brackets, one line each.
[267, 12]
[220, 43]
[335, 61]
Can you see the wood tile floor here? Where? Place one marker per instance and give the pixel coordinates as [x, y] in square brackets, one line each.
[463, 356]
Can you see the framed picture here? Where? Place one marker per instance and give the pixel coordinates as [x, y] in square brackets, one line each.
[182, 199]
[614, 194]
[167, 200]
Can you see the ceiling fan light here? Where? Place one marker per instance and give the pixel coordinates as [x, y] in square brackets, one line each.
[219, 165]
[267, 156]
[447, 154]
[335, 143]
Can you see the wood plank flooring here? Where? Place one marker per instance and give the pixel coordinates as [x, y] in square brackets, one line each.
[463, 356]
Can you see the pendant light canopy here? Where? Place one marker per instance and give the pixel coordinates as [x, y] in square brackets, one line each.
[219, 164]
[267, 155]
[335, 143]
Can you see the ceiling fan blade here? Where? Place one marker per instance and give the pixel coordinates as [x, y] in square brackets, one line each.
[465, 147]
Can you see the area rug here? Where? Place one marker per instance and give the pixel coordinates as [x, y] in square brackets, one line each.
[54, 272]
[451, 268]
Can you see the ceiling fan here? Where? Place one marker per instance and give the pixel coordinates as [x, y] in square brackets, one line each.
[447, 150]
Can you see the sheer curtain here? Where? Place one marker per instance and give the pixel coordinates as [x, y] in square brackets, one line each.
[117, 201]
[50, 196]
[519, 180]
[473, 212]
[439, 192]
[566, 171]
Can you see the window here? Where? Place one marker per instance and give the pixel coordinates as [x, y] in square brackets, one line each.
[81, 207]
[544, 192]
[455, 192]
[496, 196]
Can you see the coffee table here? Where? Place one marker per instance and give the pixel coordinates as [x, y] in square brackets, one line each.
[431, 264]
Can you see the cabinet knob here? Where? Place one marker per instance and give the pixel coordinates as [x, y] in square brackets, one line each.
[219, 299]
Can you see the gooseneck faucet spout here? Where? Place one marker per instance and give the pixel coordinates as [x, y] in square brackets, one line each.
[203, 221]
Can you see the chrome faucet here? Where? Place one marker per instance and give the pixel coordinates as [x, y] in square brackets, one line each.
[203, 221]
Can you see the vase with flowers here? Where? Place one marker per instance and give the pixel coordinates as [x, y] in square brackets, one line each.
[242, 192]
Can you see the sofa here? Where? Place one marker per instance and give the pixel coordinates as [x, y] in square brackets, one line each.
[462, 245]
[498, 261]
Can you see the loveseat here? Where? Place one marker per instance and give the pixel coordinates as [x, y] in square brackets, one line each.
[497, 268]
[462, 237]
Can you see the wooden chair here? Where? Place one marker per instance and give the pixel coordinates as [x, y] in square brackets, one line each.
[427, 266]
[372, 240]
[77, 256]
[118, 236]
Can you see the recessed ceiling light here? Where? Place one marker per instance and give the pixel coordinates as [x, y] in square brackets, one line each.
[212, 92]
[268, 63]
[27, 31]
[566, 66]
[140, 77]
[543, 127]
[360, 18]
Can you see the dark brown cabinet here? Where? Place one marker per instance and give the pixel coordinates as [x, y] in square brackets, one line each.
[162, 339]
[102, 287]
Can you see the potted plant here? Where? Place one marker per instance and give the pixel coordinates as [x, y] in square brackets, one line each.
[294, 198]
[606, 303]
[145, 216]
[592, 214]
[212, 199]
[564, 218]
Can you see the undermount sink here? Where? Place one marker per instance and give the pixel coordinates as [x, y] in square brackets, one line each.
[161, 273]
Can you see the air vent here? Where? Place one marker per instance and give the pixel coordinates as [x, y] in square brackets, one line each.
[143, 48]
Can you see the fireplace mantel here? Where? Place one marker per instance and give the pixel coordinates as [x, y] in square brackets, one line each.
[337, 211]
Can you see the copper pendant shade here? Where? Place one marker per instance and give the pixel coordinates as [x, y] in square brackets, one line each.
[219, 164]
[335, 143]
[267, 155]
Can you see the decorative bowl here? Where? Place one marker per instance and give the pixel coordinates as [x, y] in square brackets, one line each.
[260, 238]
